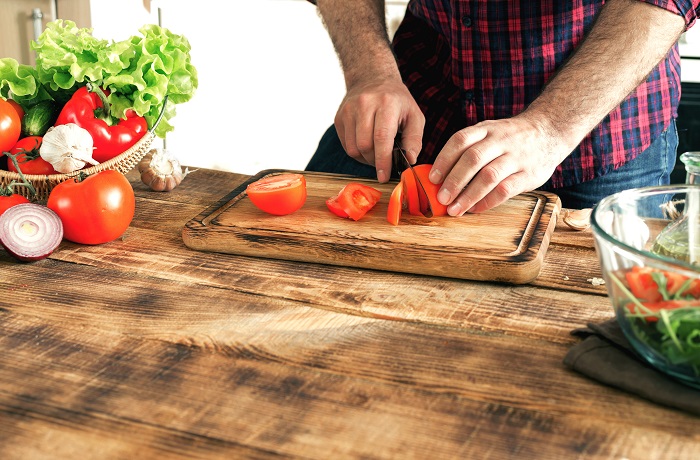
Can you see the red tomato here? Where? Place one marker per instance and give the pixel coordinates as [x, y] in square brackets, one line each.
[393, 213]
[335, 208]
[18, 108]
[357, 199]
[642, 284]
[280, 194]
[30, 162]
[411, 191]
[10, 126]
[96, 210]
[6, 202]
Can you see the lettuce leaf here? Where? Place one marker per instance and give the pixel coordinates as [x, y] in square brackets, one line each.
[20, 82]
[159, 64]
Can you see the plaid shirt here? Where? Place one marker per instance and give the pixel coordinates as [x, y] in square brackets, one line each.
[471, 60]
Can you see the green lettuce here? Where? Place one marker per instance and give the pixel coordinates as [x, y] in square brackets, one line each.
[138, 72]
[21, 82]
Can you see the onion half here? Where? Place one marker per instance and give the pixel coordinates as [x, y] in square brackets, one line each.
[30, 231]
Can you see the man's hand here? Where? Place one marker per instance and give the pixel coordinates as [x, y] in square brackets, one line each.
[484, 165]
[377, 104]
[369, 118]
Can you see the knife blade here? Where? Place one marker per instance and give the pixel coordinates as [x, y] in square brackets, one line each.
[423, 200]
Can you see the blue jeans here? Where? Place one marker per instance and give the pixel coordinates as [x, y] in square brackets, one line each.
[651, 167]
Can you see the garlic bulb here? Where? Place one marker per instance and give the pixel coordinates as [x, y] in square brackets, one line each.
[67, 147]
[161, 171]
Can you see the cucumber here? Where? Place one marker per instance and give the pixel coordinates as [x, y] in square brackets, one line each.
[39, 118]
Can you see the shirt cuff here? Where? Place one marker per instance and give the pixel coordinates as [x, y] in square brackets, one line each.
[687, 9]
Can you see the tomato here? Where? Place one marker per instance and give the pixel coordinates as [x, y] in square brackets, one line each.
[395, 209]
[30, 162]
[10, 126]
[642, 284]
[644, 287]
[334, 207]
[7, 201]
[357, 199]
[280, 194]
[95, 210]
[411, 191]
[18, 108]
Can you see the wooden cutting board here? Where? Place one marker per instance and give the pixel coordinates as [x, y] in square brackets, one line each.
[507, 243]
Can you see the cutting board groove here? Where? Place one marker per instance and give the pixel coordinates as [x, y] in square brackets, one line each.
[507, 243]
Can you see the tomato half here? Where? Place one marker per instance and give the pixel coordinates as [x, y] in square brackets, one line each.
[30, 162]
[280, 194]
[357, 199]
[95, 210]
[411, 191]
[6, 202]
[10, 126]
[395, 209]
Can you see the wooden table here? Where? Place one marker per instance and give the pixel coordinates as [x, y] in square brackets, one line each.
[142, 348]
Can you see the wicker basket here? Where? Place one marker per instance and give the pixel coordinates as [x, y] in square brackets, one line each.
[43, 184]
[123, 163]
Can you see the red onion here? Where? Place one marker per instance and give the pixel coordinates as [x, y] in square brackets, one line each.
[30, 231]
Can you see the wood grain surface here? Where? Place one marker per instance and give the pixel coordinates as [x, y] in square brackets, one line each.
[144, 348]
[505, 244]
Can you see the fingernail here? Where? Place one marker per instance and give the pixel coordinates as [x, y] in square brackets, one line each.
[435, 176]
[444, 196]
[381, 176]
[455, 209]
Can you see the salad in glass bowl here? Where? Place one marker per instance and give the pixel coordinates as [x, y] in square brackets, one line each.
[648, 243]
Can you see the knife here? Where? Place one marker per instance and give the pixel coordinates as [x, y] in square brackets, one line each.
[423, 200]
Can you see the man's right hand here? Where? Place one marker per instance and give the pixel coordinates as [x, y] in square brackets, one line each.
[377, 104]
[371, 115]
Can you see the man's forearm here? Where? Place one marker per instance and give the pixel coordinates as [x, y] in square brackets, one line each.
[628, 39]
[358, 32]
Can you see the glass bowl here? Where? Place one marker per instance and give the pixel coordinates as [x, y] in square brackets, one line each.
[648, 243]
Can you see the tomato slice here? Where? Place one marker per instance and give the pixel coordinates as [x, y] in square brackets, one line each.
[393, 213]
[411, 191]
[357, 199]
[642, 284]
[335, 208]
[279, 194]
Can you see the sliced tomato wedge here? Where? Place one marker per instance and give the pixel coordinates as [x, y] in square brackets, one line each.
[357, 199]
[279, 194]
[642, 284]
[411, 191]
[334, 207]
[395, 209]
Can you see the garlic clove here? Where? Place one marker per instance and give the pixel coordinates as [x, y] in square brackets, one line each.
[161, 171]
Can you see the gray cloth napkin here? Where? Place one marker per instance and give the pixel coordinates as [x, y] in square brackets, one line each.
[605, 355]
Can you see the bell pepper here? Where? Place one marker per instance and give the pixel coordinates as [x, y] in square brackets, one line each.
[89, 109]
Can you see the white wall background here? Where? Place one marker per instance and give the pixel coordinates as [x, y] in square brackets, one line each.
[269, 80]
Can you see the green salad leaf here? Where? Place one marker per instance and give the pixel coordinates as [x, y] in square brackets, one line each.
[158, 65]
[21, 82]
[138, 72]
